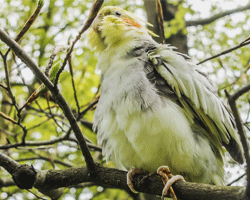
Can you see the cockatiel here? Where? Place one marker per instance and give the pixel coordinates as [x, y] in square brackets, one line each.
[155, 108]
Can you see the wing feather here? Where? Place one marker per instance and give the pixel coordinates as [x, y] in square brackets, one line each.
[197, 96]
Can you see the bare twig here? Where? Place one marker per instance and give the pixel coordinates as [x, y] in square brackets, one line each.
[232, 102]
[52, 116]
[243, 72]
[73, 85]
[28, 23]
[90, 106]
[242, 44]
[217, 16]
[13, 99]
[160, 20]
[93, 12]
[237, 179]
[246, 40]
[7, 118]
[32, 143]
[38, 124]
[8, 87]
[2, 86]
[46, 159]
[87, 124]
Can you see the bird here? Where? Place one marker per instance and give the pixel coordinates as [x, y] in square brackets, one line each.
[156, 108]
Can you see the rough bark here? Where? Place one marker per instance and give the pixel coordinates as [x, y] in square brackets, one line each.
[53, 182]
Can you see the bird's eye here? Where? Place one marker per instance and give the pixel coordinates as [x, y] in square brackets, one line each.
[118, 13]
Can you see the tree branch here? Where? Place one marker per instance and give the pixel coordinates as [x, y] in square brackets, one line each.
[60, 99]
[113, 178]
[8, 164]
[28, 23]
[216, 16]
[46, 159]
[240, 92]
[6, 183]
[242, 44]
[236, 180]
[93, 12]
[232, 102]
[73, 85]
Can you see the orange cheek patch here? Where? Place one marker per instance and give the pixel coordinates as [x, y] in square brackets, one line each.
[131, 22]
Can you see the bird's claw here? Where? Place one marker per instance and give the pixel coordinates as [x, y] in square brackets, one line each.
[130, 176]
[166, 176]
[168, 180]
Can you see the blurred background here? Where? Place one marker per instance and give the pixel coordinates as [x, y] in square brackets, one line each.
[199, 28]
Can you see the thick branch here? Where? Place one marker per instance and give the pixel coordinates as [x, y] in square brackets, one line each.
[60, 99]
[6, 183]
[216, 16]
[114, 178]
[24, 176]
[8, 164]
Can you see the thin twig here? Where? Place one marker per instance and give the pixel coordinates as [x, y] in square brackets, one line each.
[28, 23]
[7, 118]
[2, 86]
[90, 106]
[232, 102]
[19, 73]
[13, 99]
[93, 12]
[242, 44]
[237, 179]
[32, 143]
[8, 88]
[46, 159]
[73, 85]
[52, 116]
[217, 16]
[243, 72]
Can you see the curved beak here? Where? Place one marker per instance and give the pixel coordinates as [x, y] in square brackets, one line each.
[97, 22]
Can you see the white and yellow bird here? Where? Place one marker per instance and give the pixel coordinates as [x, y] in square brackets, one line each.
[155, 108]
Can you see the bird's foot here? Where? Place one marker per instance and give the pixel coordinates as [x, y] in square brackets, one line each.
[130, 176]
[168, 179]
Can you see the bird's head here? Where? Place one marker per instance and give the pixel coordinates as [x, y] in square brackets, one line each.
[114, 26]
[115, 16]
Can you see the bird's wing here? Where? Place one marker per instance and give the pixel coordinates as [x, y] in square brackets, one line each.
[197, 96]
